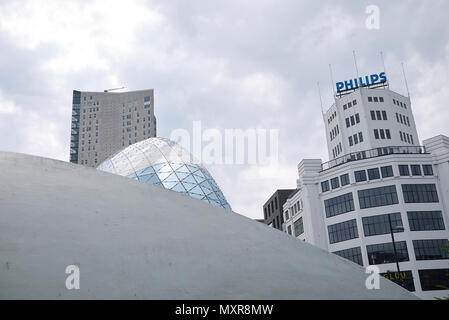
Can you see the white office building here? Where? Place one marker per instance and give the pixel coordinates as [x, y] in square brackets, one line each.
[379, 175]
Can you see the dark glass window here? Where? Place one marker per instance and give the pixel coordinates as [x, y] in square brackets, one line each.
[419, 193]
[289, 230]
[352, 254]
[375, 225]
[381, 99]
[360, 137]
[387, 171]
[431, 249]
[384, 252]
[378, 197]
[427, 169]
[425, 220]
[339, 205]
[373, 174]
[352, 120]
[378, 116]
[403, 170]
[343, 231]
[403, 278]
[356, 139]
[350, 141]
[354, 103]
[357, 118]
[360, 175]
[370, 99]
[387, 133]
[344, 179]
[384, 115]
[433, 279]
[376, 133]
[348, 124]
[416, 169]
[146, 99]
[325, 186]
[382, 133]
[373, 115]
[376, 99]
[335, 183]
[299, 227]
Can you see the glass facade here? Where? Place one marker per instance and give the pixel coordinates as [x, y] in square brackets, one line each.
[352, 254]
[375, 225]
[74, 137]
[431, 249]
[299, 227]
[378, 197]
[425, 220]
[403, 278]
[434, 279]
[343, 231]
[384, 252]
[164, 163]
[419, 193]
[339, 205]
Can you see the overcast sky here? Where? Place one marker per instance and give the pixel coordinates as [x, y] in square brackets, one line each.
[231, 64]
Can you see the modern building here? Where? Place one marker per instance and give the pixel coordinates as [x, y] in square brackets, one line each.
[378, 176]
[272, 209]
[105, 122]
[164, 163]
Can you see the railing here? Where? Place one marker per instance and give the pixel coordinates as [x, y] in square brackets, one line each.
[372, 153]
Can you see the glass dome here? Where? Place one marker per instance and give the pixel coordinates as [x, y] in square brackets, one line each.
[164, 163]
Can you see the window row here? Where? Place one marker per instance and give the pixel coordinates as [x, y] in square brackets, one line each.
[352, 120]
[349, 104]
[373, 173]
[337, 150]
[399, 103]
[378, 115]
[382, 134]
[339, 205]
[405, 137]
[355, 139]
[334, 132]
[344, 180]
[332, 117]
[375, 99]
[415, 170]
[402, 119]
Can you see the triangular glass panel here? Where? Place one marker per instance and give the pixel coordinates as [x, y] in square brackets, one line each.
[205, 184]
[200, 173]
[197, 196]
[181, 175]
[166, 168]
[175, 166]
[198, 190]
[156, 167]
[169, 184]
[163, 175]
[148, 170]
[213, 196]
[172, 177]
[178, 187]
[183, 169]
[190, 179]
[199, 178]
[154, 179]
[192, 168]
[189, 186]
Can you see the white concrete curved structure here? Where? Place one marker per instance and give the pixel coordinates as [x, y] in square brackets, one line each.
[133, 240]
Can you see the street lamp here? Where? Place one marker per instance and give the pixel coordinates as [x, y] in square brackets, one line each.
[392, 230]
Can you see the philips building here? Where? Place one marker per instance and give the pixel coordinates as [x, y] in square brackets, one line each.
[382, 199]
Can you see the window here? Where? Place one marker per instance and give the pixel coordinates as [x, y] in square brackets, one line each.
[352, 254]
[376, 225]
[387, 133]
[299, 227]
[376, 99]
[427, 169]
[360, 175]
[373, 115]
[339, 205]
[352, 121]
[344, 179]
[265, 213]
[373, 174]
[357, 118]
[416, 169]
[378, 197]
[146, 99]
[430, 249]
[343, 231]
[356, 139]
[289, 230]
[403, 170]
[404, 279]
[382, 133]
[425, 220]
[384, 252]
[354, 103]
[384, 115]
[381, 99]
[433, 279]
[378, 116]
[419, 193]
[350, 141]
[370, 99]
[344, 107]
[335, 183]
[325, 186]
[348, 124]
[387, 171]
[400, 134]
[376, 134]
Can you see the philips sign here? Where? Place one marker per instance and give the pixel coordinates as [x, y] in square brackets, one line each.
[361, 82]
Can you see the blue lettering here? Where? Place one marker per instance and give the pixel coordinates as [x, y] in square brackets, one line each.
[374, 78]
[340, 86]
[383, 77]
[349, 83]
